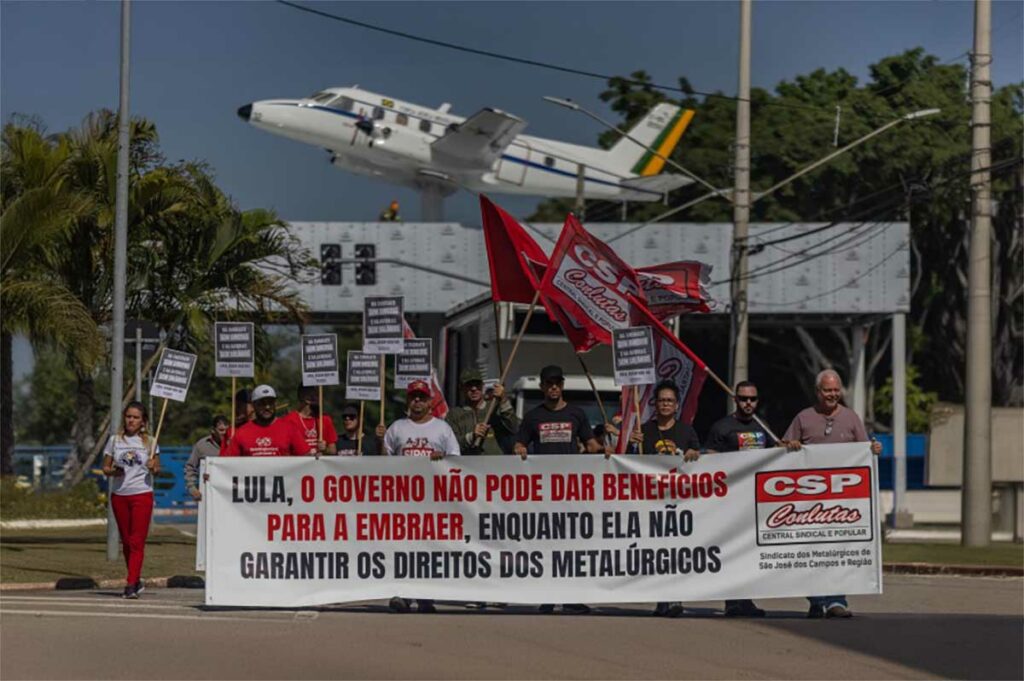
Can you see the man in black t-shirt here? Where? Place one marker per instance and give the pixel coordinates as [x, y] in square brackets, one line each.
[555, 427]
[733, 433]
[348, 438]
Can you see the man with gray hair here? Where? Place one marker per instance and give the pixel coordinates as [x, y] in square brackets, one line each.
[828, 422]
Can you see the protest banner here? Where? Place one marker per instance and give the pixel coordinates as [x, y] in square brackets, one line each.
[320, 359]
[362, 376]
[234, 347]
[293, 532]
[413, 363]
[439, 406]
[170, 381]
[633, 356]
[382, 325]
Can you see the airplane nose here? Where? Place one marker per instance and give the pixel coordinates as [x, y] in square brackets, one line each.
[245, 112]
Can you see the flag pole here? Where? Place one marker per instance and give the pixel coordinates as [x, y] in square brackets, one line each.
[359, 437]
[600, 403]
[233, 407]
[636, 407]
[497, 331]
[511, 356]
[320, 432]
[383, 367]
[159, 427]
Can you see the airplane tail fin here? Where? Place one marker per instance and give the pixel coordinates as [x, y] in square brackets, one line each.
[660, 129]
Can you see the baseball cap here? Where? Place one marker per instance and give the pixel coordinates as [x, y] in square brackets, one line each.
[350, 410]
[420, 387]
[470, 376]
[551, 373]
[262, 392]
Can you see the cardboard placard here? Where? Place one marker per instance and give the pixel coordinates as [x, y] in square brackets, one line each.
[320, 359]
[633, 356]
[173, 375]
[414, 362]
[234, 348]
[382, 325]
[362, 376]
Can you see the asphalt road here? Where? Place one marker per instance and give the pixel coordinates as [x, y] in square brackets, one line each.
[922, 627]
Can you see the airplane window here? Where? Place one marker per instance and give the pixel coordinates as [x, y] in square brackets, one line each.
[425, 126]
[345, 104]
[322, 97]
[549, 161]
[402, 119]
[378, 113]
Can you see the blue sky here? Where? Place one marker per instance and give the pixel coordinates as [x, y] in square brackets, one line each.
[195, 63]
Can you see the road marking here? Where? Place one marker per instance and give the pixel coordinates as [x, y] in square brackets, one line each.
[95, 604]
[139, 615]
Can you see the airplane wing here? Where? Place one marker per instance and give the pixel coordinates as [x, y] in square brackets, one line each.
[664, 182]
[478, 141]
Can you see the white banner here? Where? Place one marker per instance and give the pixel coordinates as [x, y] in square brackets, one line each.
[556, 529]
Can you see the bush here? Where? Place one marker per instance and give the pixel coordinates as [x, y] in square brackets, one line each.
[84, 500]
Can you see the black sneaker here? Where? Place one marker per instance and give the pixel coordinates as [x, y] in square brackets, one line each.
[397, 604]
[838, 610]
[546, 609]
[745, 609]
[660, 610]
[140, 586]
[674, 609]
[575, 608]
[425, 606]
[130, 592]
[816, 612]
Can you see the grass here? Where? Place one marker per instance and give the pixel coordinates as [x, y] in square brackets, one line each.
[48, 555]
[999, 553]
[84, 500]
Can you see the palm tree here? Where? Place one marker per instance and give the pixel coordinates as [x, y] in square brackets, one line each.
[37, 210]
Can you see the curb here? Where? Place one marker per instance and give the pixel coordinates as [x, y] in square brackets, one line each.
[83, 583]
[960, 570]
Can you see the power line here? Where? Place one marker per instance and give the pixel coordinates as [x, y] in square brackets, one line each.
[536, 63]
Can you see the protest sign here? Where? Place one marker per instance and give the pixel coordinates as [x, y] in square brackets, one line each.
[173, 375]
[382, 325]
[362, 376]
[320, 359]
[296, 532]
[413, 363]
[633, 356]
[234, 349]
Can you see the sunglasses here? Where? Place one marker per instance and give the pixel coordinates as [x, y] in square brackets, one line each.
[746, 398]
[419, 396]
[349, 417]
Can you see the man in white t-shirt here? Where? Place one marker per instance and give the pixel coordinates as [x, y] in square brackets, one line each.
[420, 434]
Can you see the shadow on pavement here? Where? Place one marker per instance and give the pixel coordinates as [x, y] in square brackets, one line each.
[950, 646]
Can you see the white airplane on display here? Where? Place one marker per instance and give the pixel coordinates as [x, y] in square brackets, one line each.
[437, 153]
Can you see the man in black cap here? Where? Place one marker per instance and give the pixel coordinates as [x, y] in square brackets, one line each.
[348, 439]
[467, 422]
[555, 426]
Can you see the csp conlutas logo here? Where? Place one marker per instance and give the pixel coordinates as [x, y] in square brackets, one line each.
[814, 506]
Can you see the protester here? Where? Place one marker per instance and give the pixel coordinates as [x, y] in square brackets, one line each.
[306, 418]
[130, 465]
[267, 435]
[420, 434]
[207, 446]
[467, 422]
[555, 426]
[244, 413]
[666, 434]
[348, 440]
[733, 433]
[828, 422]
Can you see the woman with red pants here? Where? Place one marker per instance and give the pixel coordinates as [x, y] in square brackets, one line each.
[128, 463]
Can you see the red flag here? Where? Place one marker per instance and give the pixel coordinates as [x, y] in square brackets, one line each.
[509, 252]
[440, 405]
[590, 285]
[673, 288]
[673, 361]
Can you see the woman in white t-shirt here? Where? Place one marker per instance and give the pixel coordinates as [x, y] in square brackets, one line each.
[130, 465]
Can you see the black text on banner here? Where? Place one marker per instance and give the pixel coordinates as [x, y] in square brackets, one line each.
[382, 325]
[362, 376]
[173, 375]
[633, 356]
[320, 359]
[413, 363]
[234, 349]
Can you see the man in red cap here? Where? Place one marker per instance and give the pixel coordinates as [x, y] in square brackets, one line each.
[420, 434]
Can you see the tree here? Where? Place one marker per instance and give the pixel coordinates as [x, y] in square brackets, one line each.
[37, 209]
[919, 173]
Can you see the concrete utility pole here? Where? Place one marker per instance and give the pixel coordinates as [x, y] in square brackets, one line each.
[901, 516]
[741, 206]
[977, 489]
[120, 257]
